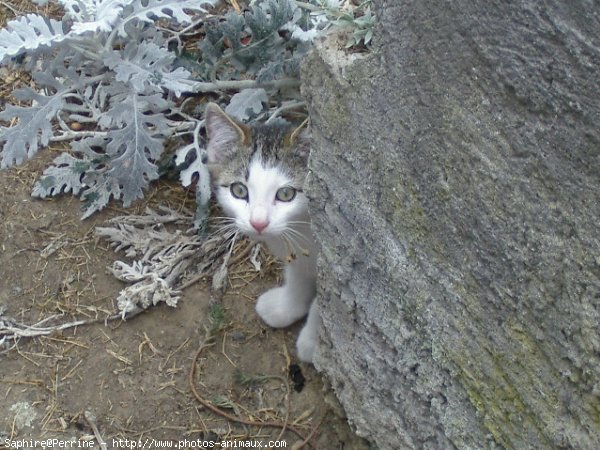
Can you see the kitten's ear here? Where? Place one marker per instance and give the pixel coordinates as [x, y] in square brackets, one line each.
[300, 139]
[224, 134]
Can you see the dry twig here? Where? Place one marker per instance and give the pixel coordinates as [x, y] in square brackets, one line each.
[91, 420]
[208, 342]
[11, 330]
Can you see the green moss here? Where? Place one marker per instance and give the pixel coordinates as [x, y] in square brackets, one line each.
[490, 402]
[407, 211]
[499, 386]
[443, 195]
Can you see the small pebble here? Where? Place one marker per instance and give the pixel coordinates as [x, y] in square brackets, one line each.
[238, 336]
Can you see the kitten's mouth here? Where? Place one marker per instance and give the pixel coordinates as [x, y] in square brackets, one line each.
[258, 235]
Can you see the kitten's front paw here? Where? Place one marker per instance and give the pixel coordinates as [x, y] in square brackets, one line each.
[306, 344]
[277, 310]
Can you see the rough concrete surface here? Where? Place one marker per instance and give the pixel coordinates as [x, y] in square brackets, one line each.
[456, 196]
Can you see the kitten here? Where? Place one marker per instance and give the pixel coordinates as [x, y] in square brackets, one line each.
[258, 174]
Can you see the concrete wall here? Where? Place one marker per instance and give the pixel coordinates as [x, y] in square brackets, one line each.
[456, 197]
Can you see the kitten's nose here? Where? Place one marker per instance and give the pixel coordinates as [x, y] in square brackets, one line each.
[259, 225]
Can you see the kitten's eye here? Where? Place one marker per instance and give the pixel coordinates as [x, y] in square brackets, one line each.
[239, 190]
[285, 194]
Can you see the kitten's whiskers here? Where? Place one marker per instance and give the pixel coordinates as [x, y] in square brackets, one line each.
[291, 238]
[226, 230]
[299, 222]
[300, 237]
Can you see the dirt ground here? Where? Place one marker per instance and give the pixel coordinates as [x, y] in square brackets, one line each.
[133, 375]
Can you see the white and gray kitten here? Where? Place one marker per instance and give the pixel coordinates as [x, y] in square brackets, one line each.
[258, 176]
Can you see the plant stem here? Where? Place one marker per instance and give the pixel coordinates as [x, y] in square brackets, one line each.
[70, 135]
[244, 84]
[284, 107]
[308, 6]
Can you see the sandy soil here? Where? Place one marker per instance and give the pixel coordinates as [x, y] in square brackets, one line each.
[133, 375]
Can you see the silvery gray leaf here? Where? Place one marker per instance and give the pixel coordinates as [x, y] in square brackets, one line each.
[64, 176]
[163, 9]
[247, 103]
[148, 68]
[28, 33]
[93, 15]
[34, 127]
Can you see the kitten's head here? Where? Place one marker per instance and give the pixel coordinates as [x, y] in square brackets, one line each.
[258, 173]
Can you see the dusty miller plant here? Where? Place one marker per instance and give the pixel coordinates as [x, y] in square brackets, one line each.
[105, 67]
[104, 78]
[357, 19]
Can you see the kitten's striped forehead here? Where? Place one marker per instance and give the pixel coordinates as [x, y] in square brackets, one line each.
[270, 142]
[270, 145]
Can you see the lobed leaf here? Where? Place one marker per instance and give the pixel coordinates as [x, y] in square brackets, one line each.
[269, 16]
[150, 10]
[256, 43]
[94, 15]
[29, 33]
[148, 68]
[135, 147]
[97, 196]
[34, 127]
[246, 103]
[65, 175]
